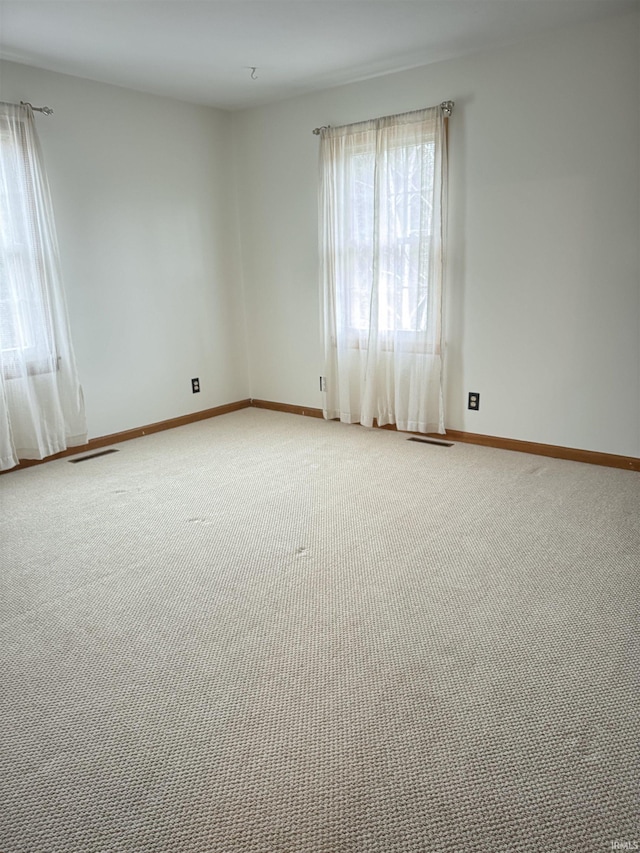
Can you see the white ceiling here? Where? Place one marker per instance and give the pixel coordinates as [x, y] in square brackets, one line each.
[201, 50]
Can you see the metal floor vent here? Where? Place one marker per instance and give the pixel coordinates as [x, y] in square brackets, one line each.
[432, 441]
[94, 455]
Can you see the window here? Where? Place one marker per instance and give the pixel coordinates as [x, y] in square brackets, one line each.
[26, 334]
[405, 232]
[382, 203]
[41, 402]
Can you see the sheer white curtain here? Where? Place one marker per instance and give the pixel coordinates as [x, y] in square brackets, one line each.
[382, 220]
[41, 404]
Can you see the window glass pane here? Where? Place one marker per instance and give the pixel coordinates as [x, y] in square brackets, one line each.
[24, 319]
[403, 232]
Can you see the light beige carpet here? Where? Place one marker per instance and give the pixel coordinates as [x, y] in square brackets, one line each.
[273, 634]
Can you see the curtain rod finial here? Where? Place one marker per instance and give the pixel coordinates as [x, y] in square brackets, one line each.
[447, 108]
[45, 110]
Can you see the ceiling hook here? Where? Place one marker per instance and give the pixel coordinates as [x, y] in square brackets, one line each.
[254, 76]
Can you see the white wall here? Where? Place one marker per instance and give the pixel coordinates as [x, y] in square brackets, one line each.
[543, 308]
[543, 303]
[147, 225]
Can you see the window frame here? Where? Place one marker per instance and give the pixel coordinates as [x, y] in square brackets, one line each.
[405, 340]
[38, 354]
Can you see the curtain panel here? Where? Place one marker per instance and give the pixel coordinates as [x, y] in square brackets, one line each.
[382, 222]
[41, 403]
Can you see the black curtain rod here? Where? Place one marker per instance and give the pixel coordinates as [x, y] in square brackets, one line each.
[47, 111]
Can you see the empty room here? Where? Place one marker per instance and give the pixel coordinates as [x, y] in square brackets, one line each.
[319, 426]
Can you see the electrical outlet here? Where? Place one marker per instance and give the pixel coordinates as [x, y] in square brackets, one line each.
[195, 386]
[474, 401]
[323, 383]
